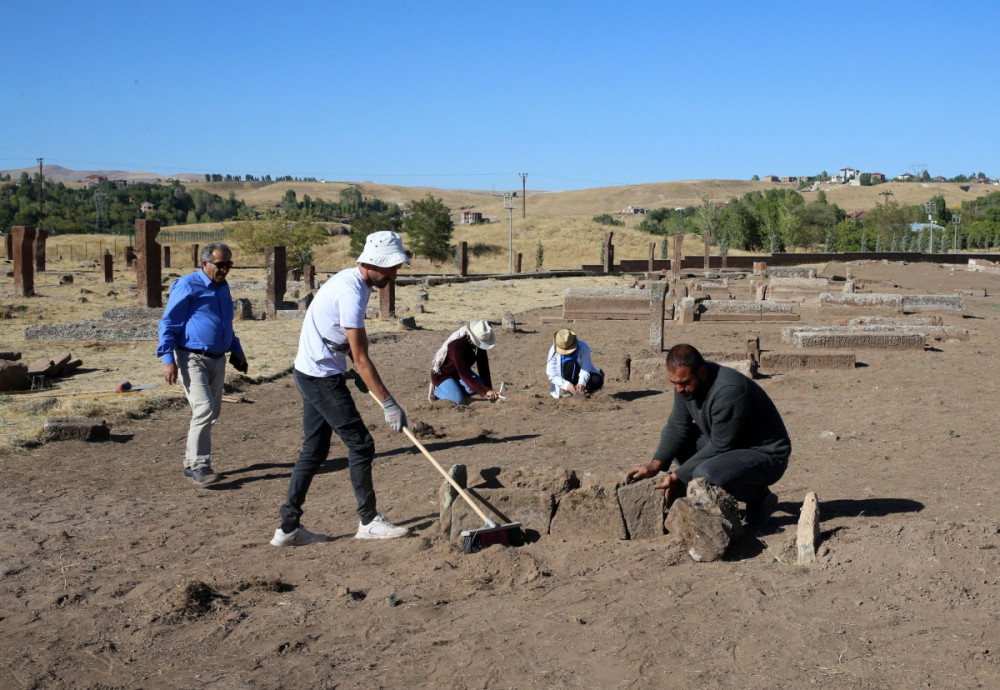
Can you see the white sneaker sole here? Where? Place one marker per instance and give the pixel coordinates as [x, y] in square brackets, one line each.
[369, 535]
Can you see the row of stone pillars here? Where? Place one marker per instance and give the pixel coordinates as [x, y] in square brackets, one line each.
[675, 262]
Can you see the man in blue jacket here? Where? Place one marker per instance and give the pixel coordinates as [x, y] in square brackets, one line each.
[196, 332]
[724, 428]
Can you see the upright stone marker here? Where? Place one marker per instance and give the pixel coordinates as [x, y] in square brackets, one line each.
[8, 241]
[609, 252]
[166, 256]
[463, 258]
[40, 237]
[678, 256]
[708, 246]
[657, 296]
[652, 253]
[309, 276]
[24, 269]
[517, 262]
[107, 263]
[195, 258]
[387, 301]
[274, 258]
[147, 270]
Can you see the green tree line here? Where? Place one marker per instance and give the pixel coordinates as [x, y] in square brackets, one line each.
[107, 207]
[779, 220]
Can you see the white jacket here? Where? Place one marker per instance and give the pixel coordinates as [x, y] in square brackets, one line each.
[553, 368]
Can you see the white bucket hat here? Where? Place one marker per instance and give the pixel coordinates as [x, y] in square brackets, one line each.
[384, 249]
[482, 335]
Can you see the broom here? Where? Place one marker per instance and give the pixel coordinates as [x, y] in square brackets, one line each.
[473, 540]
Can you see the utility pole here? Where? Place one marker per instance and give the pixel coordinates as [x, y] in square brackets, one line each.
[887, 193]
[41, 209]
[508, 204]
[524, 195]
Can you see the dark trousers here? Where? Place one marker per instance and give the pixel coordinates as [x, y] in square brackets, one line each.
[327, 407]
[571, 372]
[744, 473]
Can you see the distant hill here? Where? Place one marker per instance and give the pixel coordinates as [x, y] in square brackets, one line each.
[57, 173]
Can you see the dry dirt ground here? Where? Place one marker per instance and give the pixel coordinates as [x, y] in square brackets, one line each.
[117, 572]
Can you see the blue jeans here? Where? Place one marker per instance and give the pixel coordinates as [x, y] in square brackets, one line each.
[456, 390]
[327, 407]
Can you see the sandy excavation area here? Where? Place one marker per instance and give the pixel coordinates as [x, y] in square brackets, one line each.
[115, 571]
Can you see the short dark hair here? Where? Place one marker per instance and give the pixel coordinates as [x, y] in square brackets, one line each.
[684, 355]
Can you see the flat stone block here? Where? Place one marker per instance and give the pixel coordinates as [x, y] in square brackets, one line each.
[791, 361]
[642, 508]
[592, 511]
[76, 429]
[748, 318]
[855, 300]
[858, 341]
[918, 303]
[605, 303]
[14, 376]
[533, 509]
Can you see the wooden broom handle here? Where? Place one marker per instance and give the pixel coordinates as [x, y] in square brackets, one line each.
[451, 480]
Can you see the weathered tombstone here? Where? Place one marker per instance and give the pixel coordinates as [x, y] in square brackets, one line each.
[609, 252]
[40, 237]
[463, 258]
[808, 533]
[508, 323]
[517, 262]
[708, 246]
[166, 256]
[24, 270]
[8, 241]
[657, 297]
[705, 522]
[652, 253]
[725, 258]
[309, 276]
[107, 263]
[130, 256]
[148, 274]
[753, 347]
[274, 258]
[295, 275]
[195, 257]
[759, 268]
[387, 301]
[677, 257]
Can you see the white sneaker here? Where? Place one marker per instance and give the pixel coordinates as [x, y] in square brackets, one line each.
[300, 537]
[430, 392]
[380, 528]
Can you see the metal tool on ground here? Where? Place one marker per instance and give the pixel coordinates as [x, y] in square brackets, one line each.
[500, 395]
[473, 540]
[49, 393]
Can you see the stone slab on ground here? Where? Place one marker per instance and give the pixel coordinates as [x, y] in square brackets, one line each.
[920, 303]
[747, 318]
[859, 341]
[739, 306]
[852, 300]
[76, 429]
[642, 508]
[14, 376]
[605, 303]
[793, 361]
[591, 511]
[96, 329]
[532, 508]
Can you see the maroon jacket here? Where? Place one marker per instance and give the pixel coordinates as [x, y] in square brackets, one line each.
[462, 355]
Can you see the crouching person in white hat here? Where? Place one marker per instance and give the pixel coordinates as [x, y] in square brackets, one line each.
[569, 367]
[452, 377]
[334, 328]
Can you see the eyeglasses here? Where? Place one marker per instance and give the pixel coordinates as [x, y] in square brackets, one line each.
[225, 265]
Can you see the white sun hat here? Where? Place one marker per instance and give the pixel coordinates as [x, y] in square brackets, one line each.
[482, 335]
[384, 249]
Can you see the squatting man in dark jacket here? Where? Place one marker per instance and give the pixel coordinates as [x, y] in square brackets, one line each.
[723, 428]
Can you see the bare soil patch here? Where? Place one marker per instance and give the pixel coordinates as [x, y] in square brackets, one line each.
[117, 572]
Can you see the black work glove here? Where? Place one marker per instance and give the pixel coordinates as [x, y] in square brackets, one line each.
[359, 382]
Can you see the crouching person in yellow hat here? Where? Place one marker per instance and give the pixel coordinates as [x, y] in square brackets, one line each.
[569, 367]
[452, 377]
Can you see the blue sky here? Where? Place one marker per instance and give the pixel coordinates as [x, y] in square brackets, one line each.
[466, 95]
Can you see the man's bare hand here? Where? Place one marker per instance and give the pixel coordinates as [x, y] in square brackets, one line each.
[638, 472]
[672, 487]
[170, 373]
[492, 395]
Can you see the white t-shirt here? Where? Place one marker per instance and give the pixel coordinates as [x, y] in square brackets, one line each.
[340, 303]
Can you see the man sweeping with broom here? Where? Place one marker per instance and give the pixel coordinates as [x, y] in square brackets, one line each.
[335, 327]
